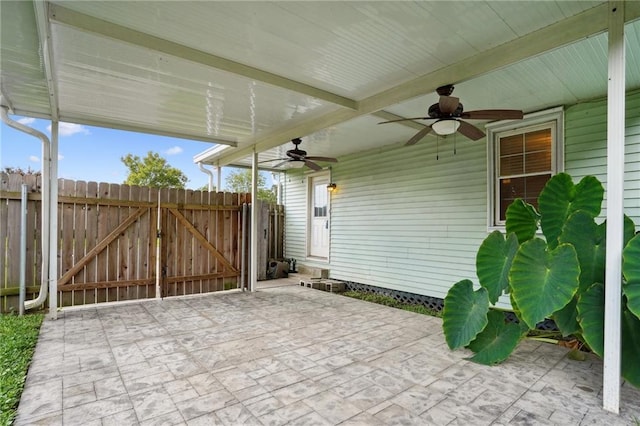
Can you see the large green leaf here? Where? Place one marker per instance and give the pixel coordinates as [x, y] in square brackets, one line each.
[631, 348]
[496, 342]
[522, 220]
[516, 310]
[493, 262]
[567, 318]
[588, 239]
[591, 317]
[631, 271]
[629, 230]
[464, 314]
[543, 281]
[560, 198]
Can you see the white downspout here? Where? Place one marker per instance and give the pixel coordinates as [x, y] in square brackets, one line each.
[45, 204]
[209, 173]
[615, 208]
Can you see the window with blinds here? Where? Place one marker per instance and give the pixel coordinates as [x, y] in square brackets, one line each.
[523, 155]
[524, 167]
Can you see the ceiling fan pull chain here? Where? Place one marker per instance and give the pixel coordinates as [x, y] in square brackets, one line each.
[437, 147]
[454, 144]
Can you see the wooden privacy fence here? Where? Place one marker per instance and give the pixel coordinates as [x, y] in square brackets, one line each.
[109, 239]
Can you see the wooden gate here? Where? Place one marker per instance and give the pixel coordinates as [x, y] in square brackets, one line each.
[109, 236]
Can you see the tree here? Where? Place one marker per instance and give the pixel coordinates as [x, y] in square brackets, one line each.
[240, 181]
[205, 187]
[21, 171]
[153, 171]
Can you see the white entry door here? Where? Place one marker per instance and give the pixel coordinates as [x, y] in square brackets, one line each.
[319, 217]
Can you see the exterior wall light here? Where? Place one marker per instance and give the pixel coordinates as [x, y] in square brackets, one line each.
[331, 187]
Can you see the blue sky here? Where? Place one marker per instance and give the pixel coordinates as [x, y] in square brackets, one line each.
[93, 153]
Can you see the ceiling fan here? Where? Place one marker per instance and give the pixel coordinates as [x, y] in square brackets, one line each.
[448, 113]
[298, 158]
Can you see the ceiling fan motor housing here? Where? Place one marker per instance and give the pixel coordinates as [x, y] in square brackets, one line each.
[434, 111]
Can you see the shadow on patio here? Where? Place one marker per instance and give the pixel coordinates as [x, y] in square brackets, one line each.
[288, 354]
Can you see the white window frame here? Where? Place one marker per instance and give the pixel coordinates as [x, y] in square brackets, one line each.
[553, 118]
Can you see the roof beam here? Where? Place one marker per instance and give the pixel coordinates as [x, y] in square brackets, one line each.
[104, 28]
[44, 33]
[119, 126]
[567, 31]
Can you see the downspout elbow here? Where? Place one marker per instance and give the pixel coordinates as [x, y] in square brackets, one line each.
[42, 296]
[208, 172]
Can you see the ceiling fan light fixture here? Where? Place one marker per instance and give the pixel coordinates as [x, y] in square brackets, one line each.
[296, 164]
[446, 126]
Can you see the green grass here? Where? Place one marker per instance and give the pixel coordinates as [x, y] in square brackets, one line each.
[390, 301]
[18, 337]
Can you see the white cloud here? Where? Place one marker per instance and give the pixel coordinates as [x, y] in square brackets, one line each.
[68, 129]
[174, 150]
[34, 159]
[26, 120]
[60, 157]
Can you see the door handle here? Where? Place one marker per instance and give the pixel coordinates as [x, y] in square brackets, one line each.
[326, 224]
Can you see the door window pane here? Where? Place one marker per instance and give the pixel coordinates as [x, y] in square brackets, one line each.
[320, 199]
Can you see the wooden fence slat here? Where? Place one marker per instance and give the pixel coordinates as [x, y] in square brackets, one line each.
[65, 247]
[180, 254]
[135, 193]
[152, 242]
[79, 239]
[205, 258]
[219, 239]
[14, 183]
[171, 261]
[102, 213]
[123, 255]
[112, 249]
[91, 239]
[4, 224]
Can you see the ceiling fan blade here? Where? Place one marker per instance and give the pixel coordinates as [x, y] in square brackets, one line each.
[295, 156]
[405, 119]
[493, 114]
[416, 138]
[312, 165]
[281, 164]
[327, 159]
[448, 104]
[470, 131]
[274, 159]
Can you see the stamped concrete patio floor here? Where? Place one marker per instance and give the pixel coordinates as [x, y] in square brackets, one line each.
[292, 355]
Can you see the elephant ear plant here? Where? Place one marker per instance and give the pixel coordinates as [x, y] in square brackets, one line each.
[559, 277]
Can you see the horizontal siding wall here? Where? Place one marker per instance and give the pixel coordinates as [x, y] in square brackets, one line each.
[295, 202]
[586, 148]
[400, 218]
[404, 220]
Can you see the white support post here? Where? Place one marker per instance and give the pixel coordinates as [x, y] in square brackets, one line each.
[253, 276]
[615, 207]
[53, 226]
[219, 178]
